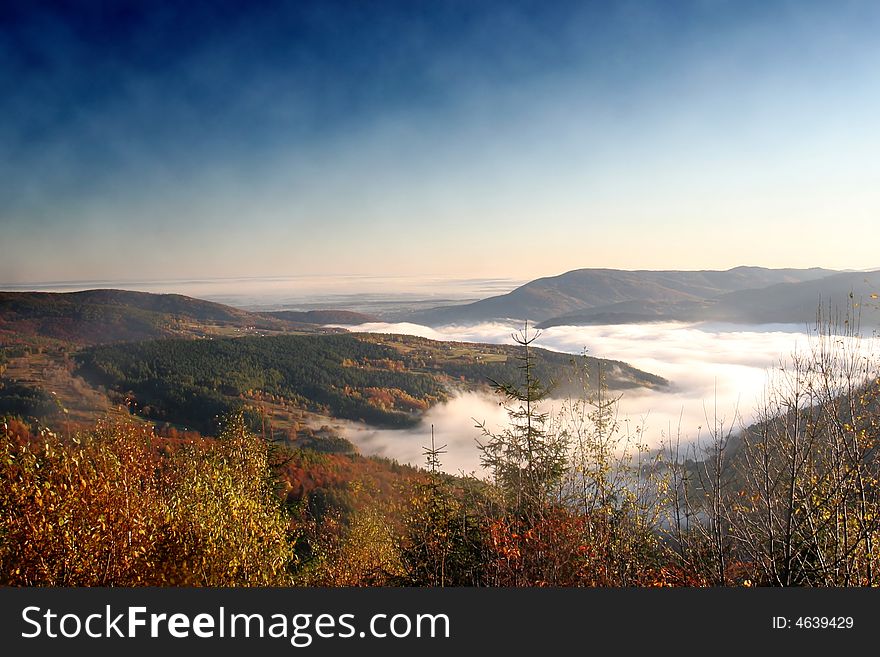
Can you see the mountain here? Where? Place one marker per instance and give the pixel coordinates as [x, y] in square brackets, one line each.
[102, 316]
[611, 291]
[783, 303]
[799, 302]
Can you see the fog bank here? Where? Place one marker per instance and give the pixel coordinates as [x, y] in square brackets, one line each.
[712, 367]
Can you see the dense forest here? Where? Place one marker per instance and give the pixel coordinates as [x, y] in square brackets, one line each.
[194, 382]
[381, 380]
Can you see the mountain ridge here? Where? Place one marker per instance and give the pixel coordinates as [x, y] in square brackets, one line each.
[589, 288]
[836, 296]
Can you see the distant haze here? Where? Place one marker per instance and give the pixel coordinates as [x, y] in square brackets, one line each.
[361, 293]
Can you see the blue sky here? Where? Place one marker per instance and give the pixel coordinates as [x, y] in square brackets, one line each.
[170, 140]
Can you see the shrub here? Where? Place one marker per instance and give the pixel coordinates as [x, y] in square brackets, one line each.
[108, 509]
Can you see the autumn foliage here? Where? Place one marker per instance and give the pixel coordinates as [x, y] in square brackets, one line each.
[574, 499]
[106, 508]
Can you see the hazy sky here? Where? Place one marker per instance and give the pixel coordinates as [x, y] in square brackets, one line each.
[181, 139]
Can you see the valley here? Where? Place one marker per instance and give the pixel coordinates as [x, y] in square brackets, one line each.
[195, 362]
[348, 404]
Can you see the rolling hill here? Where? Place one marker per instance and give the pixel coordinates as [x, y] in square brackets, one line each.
[610, 295]
[798, 302]
[100, 349]
[106, 316]
[381, 380]
[783, 303]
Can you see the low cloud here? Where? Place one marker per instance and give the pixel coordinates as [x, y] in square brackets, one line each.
[717, 371]
[454, 430]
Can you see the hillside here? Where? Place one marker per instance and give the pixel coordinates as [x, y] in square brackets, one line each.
[105, 351]
[381, 380]
[783, 303]
[798, 302]
[106, 316]
[598, 291]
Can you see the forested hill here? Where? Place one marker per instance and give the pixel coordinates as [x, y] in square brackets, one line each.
[104, 316]
[382, 380]
[638, 294]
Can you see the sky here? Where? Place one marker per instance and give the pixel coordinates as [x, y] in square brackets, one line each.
[163, 140]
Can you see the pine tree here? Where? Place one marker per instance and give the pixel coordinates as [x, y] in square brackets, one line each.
[526, 461]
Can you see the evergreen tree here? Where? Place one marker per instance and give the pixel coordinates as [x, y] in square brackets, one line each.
[526, 461]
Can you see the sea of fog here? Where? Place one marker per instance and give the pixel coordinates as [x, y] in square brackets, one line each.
[718, 373]
[716, 370]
